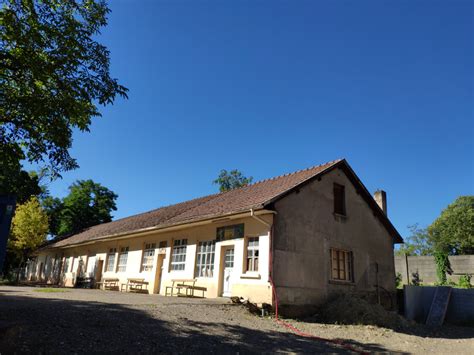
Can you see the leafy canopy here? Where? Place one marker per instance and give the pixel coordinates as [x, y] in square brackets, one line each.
[229, 180]
[453, 231]
[53, 76]
[87, 204]
[418, 243]
[29, 227]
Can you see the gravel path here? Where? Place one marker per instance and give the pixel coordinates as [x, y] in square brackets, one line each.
[82, 321]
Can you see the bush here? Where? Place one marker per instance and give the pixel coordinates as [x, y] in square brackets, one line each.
[465, 281]
[416, 281]
[398, 280]
[443, 267]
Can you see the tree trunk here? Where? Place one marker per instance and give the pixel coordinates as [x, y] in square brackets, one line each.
[19, 268]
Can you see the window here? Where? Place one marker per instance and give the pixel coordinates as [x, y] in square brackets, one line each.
[341, 265]
[205, 259]
[163, 244]
[122, 261]
[66, 265]
[148, 256]
[110, 259]
[229, 258]
[252, 254]
[230, 232]
[178, 258]
[339, 200]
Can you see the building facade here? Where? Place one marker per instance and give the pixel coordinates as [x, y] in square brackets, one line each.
[300, 237]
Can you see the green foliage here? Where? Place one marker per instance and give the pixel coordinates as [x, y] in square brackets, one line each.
[453, 231]
[53, 76]
[443, 267]
[13, 179]
[398, 280]
[53, 206]
[29, 227]
[415, 279]
[229, 180]
[418, 243]
[87, 204]
[465, 281]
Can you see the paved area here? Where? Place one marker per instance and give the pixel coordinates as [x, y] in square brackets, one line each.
[81, 321]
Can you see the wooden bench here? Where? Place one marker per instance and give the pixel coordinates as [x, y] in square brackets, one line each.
[84, 282]
[188, 285]
[109, 284]
[135, 285]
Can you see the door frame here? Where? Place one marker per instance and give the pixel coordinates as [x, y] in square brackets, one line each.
[158, 273]
[224, 248]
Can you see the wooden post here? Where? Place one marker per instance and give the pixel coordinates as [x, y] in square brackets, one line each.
[408, 272]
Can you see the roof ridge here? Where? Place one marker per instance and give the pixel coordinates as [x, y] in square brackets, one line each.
[332, 162]
[298, 171]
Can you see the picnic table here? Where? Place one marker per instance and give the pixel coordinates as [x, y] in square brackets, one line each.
[135, 285]
[188, 285]
[109, 284]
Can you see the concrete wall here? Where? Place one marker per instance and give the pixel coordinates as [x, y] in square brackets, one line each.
[306, 228]
[425, 266]
[418, 301]
[254, 286]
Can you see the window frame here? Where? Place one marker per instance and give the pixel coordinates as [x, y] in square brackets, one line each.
[236, 231]
[347, 263]
[111, 252]
[339, 196]
[148, 248]
[254, 259]
[205, 258]
[180, 245]
[65, 267]
[123, 251]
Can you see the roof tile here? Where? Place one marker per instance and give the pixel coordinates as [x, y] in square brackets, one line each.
[212, 206]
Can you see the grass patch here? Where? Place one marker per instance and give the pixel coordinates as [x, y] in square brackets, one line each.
[51, 290]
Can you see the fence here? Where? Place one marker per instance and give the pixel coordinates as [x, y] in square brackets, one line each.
[418, 301]
[425, 267]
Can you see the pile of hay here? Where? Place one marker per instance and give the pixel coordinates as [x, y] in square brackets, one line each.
[352, 309]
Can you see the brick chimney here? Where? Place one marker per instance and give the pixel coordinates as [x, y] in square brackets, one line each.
[380, 196]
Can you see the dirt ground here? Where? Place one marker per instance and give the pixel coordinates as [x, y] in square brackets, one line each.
[82, 321]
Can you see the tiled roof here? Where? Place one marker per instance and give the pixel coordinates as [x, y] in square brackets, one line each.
[234, 201]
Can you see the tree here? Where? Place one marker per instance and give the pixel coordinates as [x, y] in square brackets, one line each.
[87, 204]
[231, 180]
[29, 229]
[53, 76]
[418, 243]
[453, 231]
[14, 180]
[53, 206]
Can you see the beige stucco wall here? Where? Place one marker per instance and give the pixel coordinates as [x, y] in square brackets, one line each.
[305, 230]
[254, 286]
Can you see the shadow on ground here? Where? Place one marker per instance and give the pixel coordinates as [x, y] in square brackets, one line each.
[45, 325]
[415, 329]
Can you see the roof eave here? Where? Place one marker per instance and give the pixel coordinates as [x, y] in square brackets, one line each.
[258, 209]
[343, 164]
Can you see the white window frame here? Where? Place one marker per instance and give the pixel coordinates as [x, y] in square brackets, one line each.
[66, 265]
[111, 254]
[122, 260]
[252, 254]
[148, 257]
[205, 257]
[178, 255]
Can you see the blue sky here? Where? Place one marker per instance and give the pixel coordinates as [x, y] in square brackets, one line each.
[270, 87]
